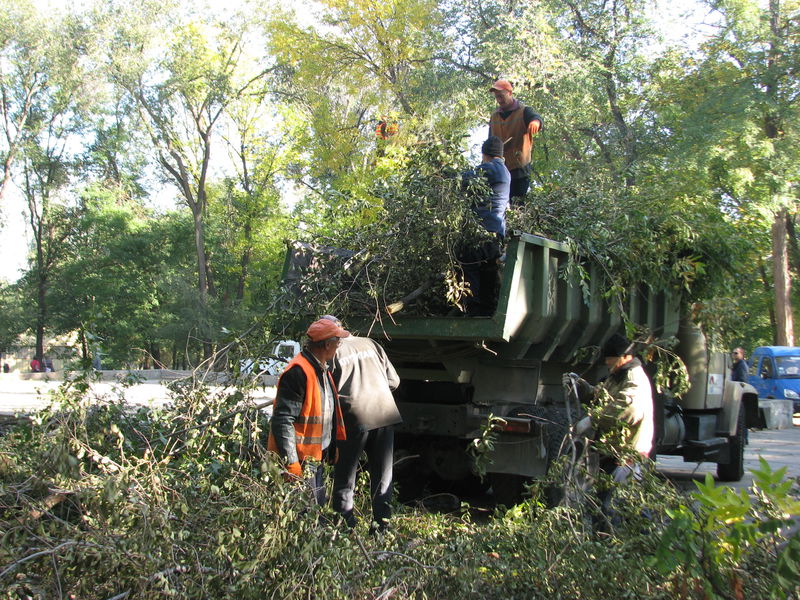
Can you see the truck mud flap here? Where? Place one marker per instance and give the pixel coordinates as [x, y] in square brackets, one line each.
[710, 449]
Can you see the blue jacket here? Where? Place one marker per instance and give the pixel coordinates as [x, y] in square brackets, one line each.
[492, 210]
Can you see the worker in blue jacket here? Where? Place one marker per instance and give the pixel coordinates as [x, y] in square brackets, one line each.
[480, 263]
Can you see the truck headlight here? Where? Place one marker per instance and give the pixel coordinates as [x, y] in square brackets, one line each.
[791, 395]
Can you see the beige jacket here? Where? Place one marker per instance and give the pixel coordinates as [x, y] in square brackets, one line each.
[627, 396]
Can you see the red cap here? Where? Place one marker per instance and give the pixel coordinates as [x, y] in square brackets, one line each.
[325, 329]
[501, 84]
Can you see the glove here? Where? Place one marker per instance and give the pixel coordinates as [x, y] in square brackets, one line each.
[293, 472]
[583, 389]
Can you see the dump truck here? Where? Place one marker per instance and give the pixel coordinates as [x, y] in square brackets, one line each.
[458, 371]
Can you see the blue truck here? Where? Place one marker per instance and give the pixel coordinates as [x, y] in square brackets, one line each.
[775, 373]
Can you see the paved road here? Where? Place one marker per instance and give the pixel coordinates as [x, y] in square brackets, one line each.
[17, 395]
[780, 448]
[22, 395]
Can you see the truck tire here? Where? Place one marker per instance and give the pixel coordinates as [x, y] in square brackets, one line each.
[734, 470]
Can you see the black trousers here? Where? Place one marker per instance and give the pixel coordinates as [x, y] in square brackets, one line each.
[481, 272]
[519, 187]
[378, 445]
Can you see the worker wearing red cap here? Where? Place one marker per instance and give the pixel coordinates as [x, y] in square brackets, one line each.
[515, 124]
[307, 418]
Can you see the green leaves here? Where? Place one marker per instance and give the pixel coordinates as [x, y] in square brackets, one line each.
[204, 513]
[788, 568]
[709, 542]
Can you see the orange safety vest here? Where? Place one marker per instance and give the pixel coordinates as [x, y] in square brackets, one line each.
[308, 426]
[517, 152]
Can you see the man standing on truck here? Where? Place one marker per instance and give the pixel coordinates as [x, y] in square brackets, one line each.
[365, 378]
[307, 419]
[515, 124]
[479, 263]
[622, 413]
[740, 366]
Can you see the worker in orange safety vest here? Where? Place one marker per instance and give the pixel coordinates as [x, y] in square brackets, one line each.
[307, 417]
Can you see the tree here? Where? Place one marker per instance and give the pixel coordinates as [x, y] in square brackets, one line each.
[741, 124]
[384, 61]
[118, 278]
[59, 93]
[22, 78]
[42, 78]
[604, 176]
[182, 96]
[250, 201]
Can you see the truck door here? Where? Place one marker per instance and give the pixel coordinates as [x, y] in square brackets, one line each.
[756, 380]
[767, 375]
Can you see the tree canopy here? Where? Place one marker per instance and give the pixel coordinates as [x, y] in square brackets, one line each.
[167, 152]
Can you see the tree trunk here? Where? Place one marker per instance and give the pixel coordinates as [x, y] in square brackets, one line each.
[199, 244]
[203, 275]
[783, 283]
[770, 305]
[155, 352]
[41, 315]
[38, 228]
[244, 263]
[794, 254]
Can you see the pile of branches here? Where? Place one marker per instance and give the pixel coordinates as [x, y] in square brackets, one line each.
[398, 245]
[100, 502]
[401, 253]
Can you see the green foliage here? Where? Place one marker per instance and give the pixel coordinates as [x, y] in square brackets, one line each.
[97, 500]
[14, 319]
[404, 231]
[483, 445]
[704, 546]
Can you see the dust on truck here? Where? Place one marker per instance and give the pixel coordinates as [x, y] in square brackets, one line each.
[458, 371]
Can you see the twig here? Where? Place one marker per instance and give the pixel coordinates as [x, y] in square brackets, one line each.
[58, 577]
[222, 418]
[366, 554]
[386, 594]
[406, 556]
[396, 307]
[17, 563]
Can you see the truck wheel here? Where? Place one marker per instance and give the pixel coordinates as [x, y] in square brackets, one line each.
[734, 470]
[468, 485]
[509, 489]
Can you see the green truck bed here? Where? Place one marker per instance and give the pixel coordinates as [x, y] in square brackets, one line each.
[540, 313]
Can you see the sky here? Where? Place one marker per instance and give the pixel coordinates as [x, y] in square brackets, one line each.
[680, 19]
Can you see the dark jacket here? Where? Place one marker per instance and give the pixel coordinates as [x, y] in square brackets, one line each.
[739, 370]
[290, 413]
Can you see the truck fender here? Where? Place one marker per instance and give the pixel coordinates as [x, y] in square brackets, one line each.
[736, 393]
